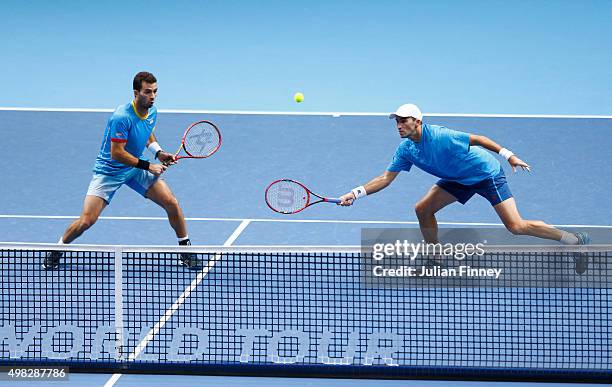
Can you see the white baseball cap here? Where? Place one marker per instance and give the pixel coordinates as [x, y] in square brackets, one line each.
[407, 110]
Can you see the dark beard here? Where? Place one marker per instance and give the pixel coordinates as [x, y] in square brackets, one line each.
[144, 105]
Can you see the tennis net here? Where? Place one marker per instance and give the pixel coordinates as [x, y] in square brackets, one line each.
[306, 311]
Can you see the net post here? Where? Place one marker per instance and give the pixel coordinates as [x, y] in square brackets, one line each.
[118, 266]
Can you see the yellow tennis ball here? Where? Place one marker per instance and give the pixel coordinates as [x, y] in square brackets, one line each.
[298, 97]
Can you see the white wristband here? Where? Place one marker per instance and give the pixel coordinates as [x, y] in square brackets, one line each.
[359, 192]
[505, 153]
[154, 148]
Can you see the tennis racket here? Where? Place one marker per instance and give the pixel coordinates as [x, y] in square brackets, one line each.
[287, 196]
[201, 140]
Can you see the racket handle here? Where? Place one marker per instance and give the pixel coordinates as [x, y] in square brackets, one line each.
[333, 200]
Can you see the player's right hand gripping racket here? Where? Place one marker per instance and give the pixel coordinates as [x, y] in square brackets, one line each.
[287, 196]
[201, 140]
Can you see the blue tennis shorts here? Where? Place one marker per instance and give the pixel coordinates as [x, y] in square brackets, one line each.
[495, 189]
[105, 186]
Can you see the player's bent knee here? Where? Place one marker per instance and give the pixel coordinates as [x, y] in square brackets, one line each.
[422, 209]
[170, 202]
[516, 228]
[86, 222]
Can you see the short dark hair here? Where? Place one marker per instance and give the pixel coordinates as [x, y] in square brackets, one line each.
[143, 76]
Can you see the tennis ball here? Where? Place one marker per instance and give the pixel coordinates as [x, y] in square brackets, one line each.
[298, 97]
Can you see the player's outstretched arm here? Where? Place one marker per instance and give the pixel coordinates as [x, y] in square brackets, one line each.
[491, 145]
[372, 186]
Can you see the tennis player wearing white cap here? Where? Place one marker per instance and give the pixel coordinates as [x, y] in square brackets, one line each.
[465, 167]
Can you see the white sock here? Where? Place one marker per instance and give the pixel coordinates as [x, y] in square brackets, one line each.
[567, 238]
[61, 241]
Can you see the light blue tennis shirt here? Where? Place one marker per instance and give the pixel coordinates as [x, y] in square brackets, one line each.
[447, 154]
[125, 125]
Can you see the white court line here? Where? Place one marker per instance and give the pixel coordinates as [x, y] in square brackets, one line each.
[268, 220]
[113, 379]
[171, 310]
[292, 113]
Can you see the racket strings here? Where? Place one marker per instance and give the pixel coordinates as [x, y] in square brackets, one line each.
[201, 140]
[287, 197]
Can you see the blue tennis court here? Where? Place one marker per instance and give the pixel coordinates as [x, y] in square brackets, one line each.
[568, 184]
[222, 197]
